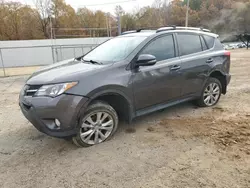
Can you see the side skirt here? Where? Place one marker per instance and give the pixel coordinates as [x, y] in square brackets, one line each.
[161, 106]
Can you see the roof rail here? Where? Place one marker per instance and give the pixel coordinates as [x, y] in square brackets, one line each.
[146, 29]
[128, 32]
[181, 28]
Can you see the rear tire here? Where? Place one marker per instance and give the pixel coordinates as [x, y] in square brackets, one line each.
[97, 124]
[211, 93]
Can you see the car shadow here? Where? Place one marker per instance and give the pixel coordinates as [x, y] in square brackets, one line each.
[177, 111]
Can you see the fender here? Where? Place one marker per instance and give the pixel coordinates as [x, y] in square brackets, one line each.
[114, 90]
[216, 70]
[210, 73]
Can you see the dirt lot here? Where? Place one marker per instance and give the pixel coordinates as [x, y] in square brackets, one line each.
[18, 71]
[182, 146]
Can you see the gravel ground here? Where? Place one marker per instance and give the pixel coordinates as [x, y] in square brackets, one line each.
[18, 71]
[182, 146]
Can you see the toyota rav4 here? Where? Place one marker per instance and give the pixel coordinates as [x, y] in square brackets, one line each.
[125, 77]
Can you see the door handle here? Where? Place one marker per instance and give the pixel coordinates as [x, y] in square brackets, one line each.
[175, 67]
[210, 60]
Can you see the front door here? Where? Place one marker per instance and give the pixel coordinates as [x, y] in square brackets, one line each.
[161, 82]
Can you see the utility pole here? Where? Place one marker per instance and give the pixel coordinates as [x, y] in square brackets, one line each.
[119, 24]
[186, 25]
[110, 29]
[49, 7]
[107, 23]
[51, 27]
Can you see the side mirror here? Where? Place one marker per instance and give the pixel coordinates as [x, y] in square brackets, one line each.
[145, 60]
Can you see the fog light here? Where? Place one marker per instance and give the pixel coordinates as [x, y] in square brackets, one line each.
[57, 122]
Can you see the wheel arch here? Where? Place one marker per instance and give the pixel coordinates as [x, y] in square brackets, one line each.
[117, 98]
[221, 77]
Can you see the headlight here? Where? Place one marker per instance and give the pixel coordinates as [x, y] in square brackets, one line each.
[55, 89]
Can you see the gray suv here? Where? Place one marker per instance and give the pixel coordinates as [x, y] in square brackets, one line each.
[128, 76]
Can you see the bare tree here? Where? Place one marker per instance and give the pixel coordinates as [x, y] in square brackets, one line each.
[119, 10]
[45, 14]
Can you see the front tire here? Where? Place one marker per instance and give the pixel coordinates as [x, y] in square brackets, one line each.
[98, 124]
[211, 93]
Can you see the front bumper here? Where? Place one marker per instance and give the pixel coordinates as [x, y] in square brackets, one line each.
[42, 112]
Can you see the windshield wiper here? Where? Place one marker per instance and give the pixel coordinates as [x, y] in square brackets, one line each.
[93, 62]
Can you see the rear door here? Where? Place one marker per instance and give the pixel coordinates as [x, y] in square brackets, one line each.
[161, 82]
[195, 58]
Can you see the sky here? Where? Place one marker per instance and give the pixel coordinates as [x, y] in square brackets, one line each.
[104, 5]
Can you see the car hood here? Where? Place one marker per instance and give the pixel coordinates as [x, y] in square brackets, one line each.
[64, 71]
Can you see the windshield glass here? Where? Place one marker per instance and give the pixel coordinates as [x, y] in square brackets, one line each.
[115, 49]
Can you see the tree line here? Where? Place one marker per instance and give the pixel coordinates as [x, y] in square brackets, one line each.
[21, 22]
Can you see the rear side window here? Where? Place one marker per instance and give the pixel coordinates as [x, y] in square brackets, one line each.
[203, 44]
[189, 43]
[210, 41]
[162, 48]
[218, 43]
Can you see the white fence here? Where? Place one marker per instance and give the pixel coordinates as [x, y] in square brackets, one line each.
[43, 52]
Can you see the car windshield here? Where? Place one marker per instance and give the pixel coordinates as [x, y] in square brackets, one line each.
[115, 49]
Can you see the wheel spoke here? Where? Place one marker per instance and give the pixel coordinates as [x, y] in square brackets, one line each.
[210, 100]
[96, 137]
[88, 138]
[89, 119]
[216, 89]
[213, 99]
[107, 128]
[216, 93]
[99, 115]
[110, 122]
[104, 117]
[207, 100]
[89, 132]
[211, 87]
[206, 94]
[84, 125]
[103, 137]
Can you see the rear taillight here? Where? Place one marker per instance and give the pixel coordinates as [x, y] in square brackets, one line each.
[227, 53]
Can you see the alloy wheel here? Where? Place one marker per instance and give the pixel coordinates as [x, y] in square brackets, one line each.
[96, 128]
[211, 94]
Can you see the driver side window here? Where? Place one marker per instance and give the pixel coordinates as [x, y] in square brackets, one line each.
[162, 48]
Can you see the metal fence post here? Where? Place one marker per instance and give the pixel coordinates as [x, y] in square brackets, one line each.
[53, 56]
[82, 51]
[74, 52]
[61, 52]
[1, 55]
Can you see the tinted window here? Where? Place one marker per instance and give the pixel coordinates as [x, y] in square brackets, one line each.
[204, 46]
[218, 44]
[210, 41]
[115, 49]
[189, 44]
[162, 48]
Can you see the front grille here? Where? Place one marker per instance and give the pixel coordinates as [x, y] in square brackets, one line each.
[30, 90]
